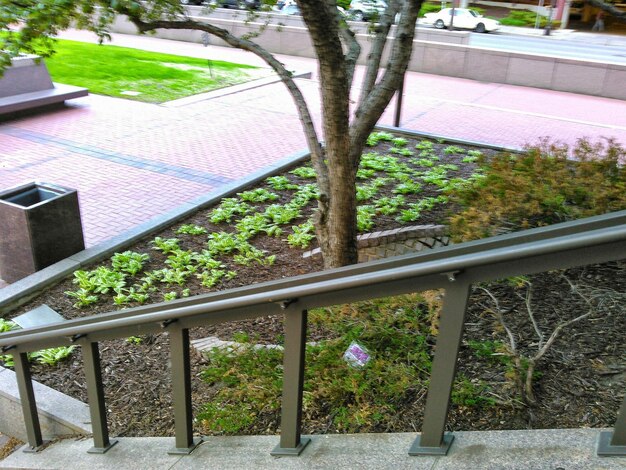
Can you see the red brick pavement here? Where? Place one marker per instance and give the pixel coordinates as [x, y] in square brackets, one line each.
[132, 161]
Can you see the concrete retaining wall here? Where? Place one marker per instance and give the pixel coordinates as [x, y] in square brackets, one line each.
[539, 71]
[437, 52]
[59, 414]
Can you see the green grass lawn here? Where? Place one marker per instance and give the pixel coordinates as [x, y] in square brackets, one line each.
[112, 70]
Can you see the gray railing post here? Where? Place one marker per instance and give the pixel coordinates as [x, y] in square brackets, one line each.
[95, 396]
[29, 406]
[291, 442]
[432, 440]
[181, 391]
[613, 444]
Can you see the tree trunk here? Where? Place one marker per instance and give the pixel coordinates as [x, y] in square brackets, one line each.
[337, 228]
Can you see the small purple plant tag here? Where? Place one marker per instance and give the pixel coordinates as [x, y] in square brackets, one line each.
[356, 355]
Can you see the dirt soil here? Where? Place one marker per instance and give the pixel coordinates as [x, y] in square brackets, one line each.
[580, 381]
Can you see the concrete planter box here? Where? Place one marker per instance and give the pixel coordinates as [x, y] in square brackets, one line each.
[39, 225]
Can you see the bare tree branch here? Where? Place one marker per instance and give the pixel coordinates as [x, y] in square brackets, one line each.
[317, 154]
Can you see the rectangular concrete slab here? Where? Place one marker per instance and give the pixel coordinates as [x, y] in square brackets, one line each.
[531, 71]
[486, 66]
[578, 77]
[528, 450]
[614, 81]
[128, 454]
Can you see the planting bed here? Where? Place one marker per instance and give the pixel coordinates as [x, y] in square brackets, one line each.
[579, 382]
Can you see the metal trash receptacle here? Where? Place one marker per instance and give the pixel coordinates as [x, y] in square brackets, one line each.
[39, 225]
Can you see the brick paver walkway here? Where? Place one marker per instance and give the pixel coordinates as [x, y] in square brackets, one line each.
[132, 161]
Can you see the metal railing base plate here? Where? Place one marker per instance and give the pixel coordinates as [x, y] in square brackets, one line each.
[605, 449]
[33, 450]
[443, 449]
[101, 450]
[185, 450]
[290, 451]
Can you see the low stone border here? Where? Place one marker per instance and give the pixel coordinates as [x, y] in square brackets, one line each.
[388, 243]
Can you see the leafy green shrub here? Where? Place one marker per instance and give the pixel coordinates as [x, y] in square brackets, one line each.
[248, 382]
[542, 186]
[428, 7]
[526, 18]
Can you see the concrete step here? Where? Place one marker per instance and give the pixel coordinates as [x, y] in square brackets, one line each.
[511, 450]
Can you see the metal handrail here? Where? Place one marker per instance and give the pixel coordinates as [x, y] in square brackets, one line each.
[455, 268]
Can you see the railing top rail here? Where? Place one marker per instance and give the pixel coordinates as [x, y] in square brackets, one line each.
[503, 250]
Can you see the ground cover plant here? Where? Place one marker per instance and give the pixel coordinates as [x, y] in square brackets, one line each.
[148, 76]
[261, 233]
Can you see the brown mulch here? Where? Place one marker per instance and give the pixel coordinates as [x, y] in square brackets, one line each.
[581, 382]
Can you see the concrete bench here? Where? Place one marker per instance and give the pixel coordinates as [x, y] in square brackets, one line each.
[27, 84]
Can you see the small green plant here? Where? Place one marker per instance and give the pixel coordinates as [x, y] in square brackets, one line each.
[166, 245]
[414, 211]
[424, 145]
[83, 297]
[53, 356]
[228, 208]
[258, 195]
[302, 235]
[129, 262]
[377, 137]
[191, 229]
[253, 224]
[365, 173]
[134, 340]
[223, 243]
[280, 215]
[453, 149]
[133, 294]
[172, 276]
[206, 260]
[399, 142]
[365, 217]
[401, 151]
[472, 156]
[425, 162]
[280, 183]
[181, 259]
[7, 325]
[169, 296]
[365, 192]
[389, 205]
[212, 277]
[304, 172]
[304, 195]
[470, 393]
[408, 187]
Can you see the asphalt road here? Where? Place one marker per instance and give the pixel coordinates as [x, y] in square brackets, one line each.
[573, 48]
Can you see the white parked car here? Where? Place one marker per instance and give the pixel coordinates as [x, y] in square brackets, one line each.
[464, 18]
[364, 10]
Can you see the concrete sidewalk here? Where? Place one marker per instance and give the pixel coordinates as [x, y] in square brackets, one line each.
[132, 161]
[572, 449]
